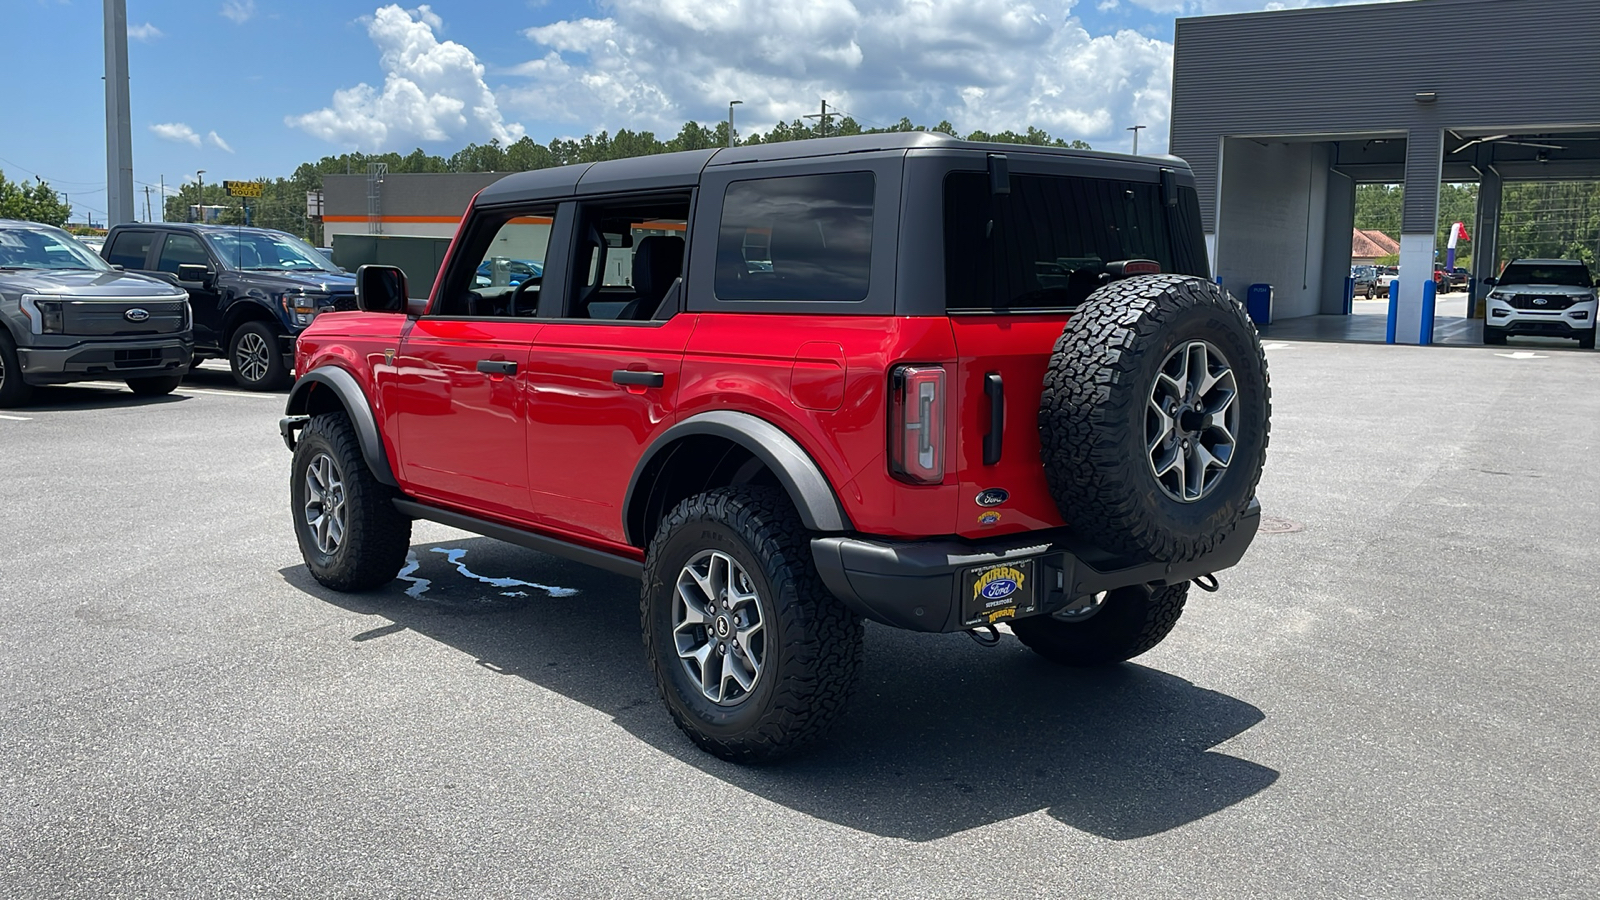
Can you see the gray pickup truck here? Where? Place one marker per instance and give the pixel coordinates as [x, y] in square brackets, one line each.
[66, 315]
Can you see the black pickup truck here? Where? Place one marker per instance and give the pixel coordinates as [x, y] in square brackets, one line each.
[252, 289]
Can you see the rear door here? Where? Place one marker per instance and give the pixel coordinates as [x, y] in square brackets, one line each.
[603, 376]
[1016, 266]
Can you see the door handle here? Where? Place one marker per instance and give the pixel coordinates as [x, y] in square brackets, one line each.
[497, 367]
[994, 389]
[636, 378]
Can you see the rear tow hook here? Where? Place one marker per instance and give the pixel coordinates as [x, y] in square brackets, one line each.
[990, 641]
[1206, 582]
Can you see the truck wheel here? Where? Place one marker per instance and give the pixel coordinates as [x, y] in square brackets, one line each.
[1586, 341]
[1154, 418]
[752, 655]
[155, 386]
[351, 536]
[1494, 337]
[1105, 629]
[256, 361]
[13, 390]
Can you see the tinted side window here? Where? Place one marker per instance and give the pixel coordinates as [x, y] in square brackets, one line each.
[1047, 244]
[181, 249]
[130, 249]
[806, 237]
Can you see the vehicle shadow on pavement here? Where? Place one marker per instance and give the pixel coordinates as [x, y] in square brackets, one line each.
[942, 735]
[65, 398]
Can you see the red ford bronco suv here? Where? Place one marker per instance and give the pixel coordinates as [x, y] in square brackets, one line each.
[935, 384]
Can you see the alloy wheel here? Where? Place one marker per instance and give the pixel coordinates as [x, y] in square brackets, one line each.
[1190, 421]
[718, 627]
[251, 356]
[324, 507]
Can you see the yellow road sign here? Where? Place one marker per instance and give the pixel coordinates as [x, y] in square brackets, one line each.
[243, 188]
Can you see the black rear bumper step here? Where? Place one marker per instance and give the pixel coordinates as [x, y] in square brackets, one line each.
[913, 584]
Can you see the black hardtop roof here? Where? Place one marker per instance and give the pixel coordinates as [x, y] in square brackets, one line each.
[678, 170]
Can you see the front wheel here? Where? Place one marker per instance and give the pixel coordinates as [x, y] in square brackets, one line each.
[256, 361]
[752, 655]
[351, 536]
[13, 390]
[1586, 342]
[1493, 337]
[155, 386]
[1106, 628]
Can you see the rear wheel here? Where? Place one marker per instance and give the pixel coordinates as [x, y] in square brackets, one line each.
[752, 655]
[155, 386]
[351, 536]
[256, 361]
[1154, 418]
[1107, 628]
[13, 390]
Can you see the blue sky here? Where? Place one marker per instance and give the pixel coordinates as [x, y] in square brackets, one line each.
[252, 88]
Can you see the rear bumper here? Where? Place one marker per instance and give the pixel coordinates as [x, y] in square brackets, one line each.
[914, 584]
[105, 359]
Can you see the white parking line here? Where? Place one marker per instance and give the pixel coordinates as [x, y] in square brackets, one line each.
[16, 418]
[117, 386]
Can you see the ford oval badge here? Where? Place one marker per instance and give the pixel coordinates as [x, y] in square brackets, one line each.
[993, 497]
[999, 589]
[136, 314]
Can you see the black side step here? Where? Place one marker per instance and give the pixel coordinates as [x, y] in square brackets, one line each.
[533, 541]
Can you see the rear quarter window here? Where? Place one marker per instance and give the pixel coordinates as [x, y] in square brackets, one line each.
[802, 237]
[1046, 245]
[130, 249]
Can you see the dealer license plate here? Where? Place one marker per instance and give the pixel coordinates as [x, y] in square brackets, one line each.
[995, 593]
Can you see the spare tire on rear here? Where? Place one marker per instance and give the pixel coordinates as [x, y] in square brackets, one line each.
[1154, 418]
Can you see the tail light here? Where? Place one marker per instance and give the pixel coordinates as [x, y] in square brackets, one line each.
[916, 424]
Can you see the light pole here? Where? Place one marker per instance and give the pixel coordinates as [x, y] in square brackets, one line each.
[1136, 129]
[200, 205]
[731, 105]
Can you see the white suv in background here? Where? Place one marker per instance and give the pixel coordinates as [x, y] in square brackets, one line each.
[1549, 297]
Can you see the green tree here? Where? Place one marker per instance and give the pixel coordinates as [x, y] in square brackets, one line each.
[36, 202]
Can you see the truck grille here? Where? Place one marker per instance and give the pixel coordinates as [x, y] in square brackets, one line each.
[1552, 302]
[344, 302]
[136, 359]
[108, 318]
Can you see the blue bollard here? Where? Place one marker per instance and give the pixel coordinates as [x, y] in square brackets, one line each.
[1394, 308]
[1430, 292]
[1349, 295]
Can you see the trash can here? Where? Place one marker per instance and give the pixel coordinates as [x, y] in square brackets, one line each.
[1258, 302]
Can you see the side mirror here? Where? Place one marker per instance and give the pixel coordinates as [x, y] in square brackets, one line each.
[1491, 281]
[381, 289]
[192, 272]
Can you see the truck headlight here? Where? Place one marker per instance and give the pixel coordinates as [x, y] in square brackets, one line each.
[301, 308]
[44, 315]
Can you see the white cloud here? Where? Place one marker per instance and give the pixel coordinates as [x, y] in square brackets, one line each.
[239, 11]
[432, 91]
[145, 32]
[217, 141]
[982, 64]
[177, 132]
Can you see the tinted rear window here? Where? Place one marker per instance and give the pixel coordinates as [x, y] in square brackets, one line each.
[130, 248]
[1046, 244]
[806, 237]
[1565, 276]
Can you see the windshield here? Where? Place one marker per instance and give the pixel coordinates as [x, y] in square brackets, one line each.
[45, 248]
[1563, 275]
[271, 251]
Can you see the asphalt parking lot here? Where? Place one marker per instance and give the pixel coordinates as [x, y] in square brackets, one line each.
[1396, 696]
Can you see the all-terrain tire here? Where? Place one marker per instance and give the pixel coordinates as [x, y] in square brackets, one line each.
[255, 360]
[812, 647]
[13, 390]
[155, 386]
[1092, 416]
[1129, 622]
[375, 537]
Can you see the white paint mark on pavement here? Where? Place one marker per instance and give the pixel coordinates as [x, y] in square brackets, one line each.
[419, 586]
[1522, 354]
[16, 418]
[454, 556]
[1276, 345]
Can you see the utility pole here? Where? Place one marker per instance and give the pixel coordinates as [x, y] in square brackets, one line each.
[163, 198]
[1136, 129]
[147, 203]
[822, 117]
[119, 122]
[200, 208]
[731, 105]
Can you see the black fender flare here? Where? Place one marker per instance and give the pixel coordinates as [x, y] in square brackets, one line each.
[799, 474]
[354, 400]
